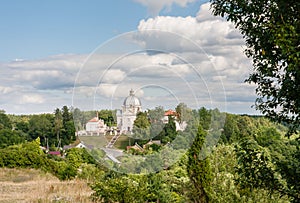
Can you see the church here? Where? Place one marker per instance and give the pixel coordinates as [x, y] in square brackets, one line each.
[126, 116]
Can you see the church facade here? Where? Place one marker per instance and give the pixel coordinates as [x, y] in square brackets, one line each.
[126, 116]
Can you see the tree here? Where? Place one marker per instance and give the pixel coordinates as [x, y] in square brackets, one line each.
[41, 126]
[205, 118]
[107, 116]
[169, 133]
[141, 126]
[184, 113]
[271, 30]
[58, 123]
[156, 119]
[198, 168]
[66, 115]
[4, 121]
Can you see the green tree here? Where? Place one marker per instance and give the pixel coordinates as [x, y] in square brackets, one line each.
[271, 30]
[184, 113]
[58, 123]
[41, 126]
[169, 133]
[66, 115]
[5, 123]
[107, 116]
[199, 169]
[141, 126]
[156, 119]
[9, 137]
[205, 118]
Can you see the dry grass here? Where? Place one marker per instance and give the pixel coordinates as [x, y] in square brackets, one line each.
[29, 185]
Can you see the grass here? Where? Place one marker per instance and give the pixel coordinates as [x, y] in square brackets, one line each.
[102, 141]
[30, 185]
[121, 143]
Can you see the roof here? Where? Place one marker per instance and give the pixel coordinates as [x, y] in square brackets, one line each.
[170, 113]
[132, 100]
[95, 119]
[54, 152]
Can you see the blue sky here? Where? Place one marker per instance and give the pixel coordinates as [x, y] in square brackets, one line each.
[48, 47]
[35, 29]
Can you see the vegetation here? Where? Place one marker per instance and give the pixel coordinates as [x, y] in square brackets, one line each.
[272, 38]
[253, 162]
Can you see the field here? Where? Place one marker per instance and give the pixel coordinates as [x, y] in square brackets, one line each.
[29, 185]
[101, 141]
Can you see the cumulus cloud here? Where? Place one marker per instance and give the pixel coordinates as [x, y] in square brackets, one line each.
[155, 6]
[168, 60]
[32, 99]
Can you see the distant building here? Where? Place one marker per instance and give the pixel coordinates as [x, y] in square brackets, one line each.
[95, 125]
[174, 114]
[126, 116]
[169, 113]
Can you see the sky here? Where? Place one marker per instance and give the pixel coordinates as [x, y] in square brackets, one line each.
[89, 54]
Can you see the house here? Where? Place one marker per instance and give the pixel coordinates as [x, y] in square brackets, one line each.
[169, 113]
[151, 142]
[179, 126]
[95, 126]
[78, 145]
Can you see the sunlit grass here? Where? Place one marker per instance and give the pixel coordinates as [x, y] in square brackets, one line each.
[29, 185]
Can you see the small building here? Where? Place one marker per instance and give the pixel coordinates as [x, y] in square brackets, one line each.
[151, 142]
[174, 114]
[169, 113]
[95, 125]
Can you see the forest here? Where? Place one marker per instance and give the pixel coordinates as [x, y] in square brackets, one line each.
[252, 161]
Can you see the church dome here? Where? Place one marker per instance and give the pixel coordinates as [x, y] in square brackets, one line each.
[132, 100]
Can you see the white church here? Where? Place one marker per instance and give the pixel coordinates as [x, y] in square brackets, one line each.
[126, 116]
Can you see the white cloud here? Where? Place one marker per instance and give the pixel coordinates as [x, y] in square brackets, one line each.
[155, 6]
[188, 59]
[32, 99]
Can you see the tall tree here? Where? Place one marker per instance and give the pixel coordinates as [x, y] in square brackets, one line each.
[66, 115]
[58, 123]
[271, 29]
[198, 169]
[40, 126]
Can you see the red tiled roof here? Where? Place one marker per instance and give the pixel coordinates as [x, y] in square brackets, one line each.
[170, 113]
[95, 119]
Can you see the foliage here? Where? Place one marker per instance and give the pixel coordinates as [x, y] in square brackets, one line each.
[156, 119]
[141, 127]
[108, 116]
[5, 123]
[24, 155]
[205, 118]
[165, 186]
[226, 188]
[198, 168]
[78, 156]
[168, 133]
[272, 168]
[271, 29]
[184, 113]
[9, 137]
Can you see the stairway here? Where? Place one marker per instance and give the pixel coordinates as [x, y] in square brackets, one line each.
[113, 140]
